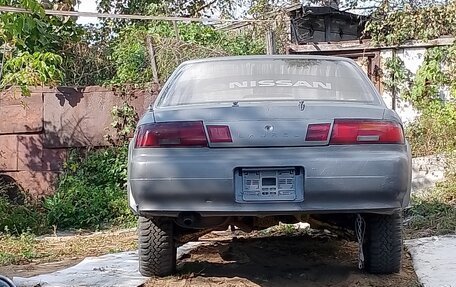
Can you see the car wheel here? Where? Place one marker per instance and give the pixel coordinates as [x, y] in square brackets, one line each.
[157, 249]
[383, 243]
[6, 282]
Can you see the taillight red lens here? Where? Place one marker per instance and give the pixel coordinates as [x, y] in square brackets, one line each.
[219, 134]
[317, 132]
[366, 131]
[171, 134]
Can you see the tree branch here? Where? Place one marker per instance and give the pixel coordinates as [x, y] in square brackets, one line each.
[359, 8]
[203, 7]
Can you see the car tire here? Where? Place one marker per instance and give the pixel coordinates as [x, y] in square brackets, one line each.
[6, 282]
[383, 244]
[157, 248]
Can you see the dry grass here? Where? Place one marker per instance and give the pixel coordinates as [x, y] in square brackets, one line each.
[433, 212]
[27, 248]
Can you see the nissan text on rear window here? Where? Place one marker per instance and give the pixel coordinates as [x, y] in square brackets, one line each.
[257, 80]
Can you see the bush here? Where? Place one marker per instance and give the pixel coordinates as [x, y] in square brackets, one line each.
[132, 62]
[19, 217]
[91, 190]
[434, 132]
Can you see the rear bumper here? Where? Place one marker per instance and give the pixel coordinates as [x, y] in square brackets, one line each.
[337, 179]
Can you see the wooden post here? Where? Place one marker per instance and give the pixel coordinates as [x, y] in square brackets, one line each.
[176, 30]
[394, 90]
[270, 43]
[153, 62]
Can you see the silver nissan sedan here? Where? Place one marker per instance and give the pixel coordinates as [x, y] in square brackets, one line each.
[253, 141]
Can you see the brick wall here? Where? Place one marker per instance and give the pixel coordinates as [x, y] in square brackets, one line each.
[37, 131]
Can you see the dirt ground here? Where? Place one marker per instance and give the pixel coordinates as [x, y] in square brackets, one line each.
[272, 259]
[279, 261]
[52, 253]
[34, 269]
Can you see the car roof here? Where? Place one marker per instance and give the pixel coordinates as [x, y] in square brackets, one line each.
[269, 57]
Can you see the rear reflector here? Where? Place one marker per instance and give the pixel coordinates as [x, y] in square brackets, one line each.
[219, 134]
[366, 131]
[318, 132]
[171, 134]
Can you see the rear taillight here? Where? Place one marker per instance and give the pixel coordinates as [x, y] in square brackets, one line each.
[366, 131]
[171, 134]
[219, 134]
[318, 132]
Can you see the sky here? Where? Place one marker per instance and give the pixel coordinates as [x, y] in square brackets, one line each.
[91, 6]
[87, 6]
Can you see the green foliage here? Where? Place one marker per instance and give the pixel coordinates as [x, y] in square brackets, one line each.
[130, 57]
[429, 79]
[396, 77]
[35, 31]
[393, 27]
[194, 8]
[189, 41]
[91, 190]
[23, 250]
[197, 41]
[113, 53]
[434, 211]
[436, 129]
[18, 217]
[24, 30]
[34, 69]
[88, 62]
[124, 122]
[32, 44]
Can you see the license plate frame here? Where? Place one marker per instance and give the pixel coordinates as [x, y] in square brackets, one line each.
[270, 184]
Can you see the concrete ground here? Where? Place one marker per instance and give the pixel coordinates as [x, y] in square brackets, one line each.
[120, 269]
[434, 260]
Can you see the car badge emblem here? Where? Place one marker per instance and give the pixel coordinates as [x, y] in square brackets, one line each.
[302, 105]
[269, 128]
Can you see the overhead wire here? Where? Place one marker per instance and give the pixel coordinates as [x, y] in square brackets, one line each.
[130, 16]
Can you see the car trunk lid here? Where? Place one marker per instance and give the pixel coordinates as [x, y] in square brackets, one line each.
[271, 124]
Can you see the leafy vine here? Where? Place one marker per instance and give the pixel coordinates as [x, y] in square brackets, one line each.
[394, 27]
[396, 77]
[26, 70]
[432, 92]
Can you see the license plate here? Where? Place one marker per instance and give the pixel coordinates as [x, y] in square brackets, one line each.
[269, 184]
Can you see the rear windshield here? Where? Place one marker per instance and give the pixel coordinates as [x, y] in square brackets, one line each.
[266, 80]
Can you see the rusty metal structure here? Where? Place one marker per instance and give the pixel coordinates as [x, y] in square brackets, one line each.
[324, 24]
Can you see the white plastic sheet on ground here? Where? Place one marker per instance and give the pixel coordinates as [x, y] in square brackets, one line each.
[434, 260]
[111, 270]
